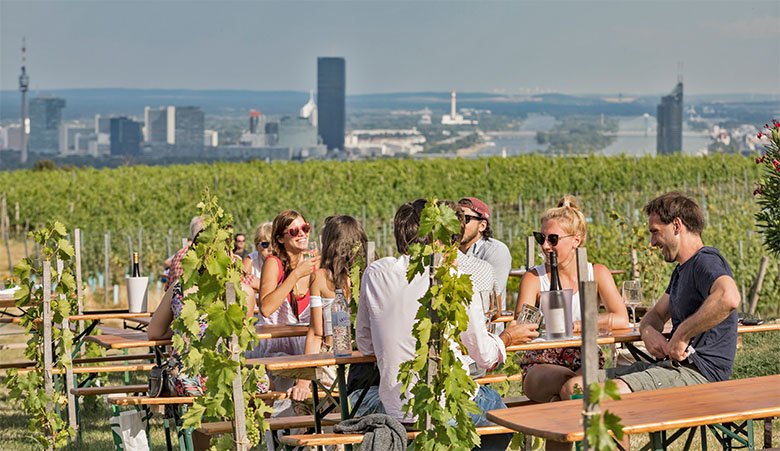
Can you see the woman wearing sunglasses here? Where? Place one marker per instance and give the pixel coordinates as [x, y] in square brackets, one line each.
[253, 262]
[284, 284]
[563, 230]
[343, 245]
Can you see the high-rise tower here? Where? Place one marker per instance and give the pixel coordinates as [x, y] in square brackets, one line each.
[670, 117]
[331, 99]
[24, 83]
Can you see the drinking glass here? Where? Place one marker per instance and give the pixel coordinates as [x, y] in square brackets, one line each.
[489, 307]
[529, 314]
[311, 250]
[632, 296]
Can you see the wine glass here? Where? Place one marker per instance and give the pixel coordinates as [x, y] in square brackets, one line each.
[311, 250]
[489, 307]
[632, 296]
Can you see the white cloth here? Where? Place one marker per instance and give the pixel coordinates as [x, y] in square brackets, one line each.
[386, 314]
[257, 263]
[497, 254]
[544, 285]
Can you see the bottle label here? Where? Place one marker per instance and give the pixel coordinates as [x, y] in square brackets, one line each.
[340, 318]
[555, 321]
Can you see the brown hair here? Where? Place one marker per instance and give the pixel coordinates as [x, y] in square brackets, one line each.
[568, 215]
[343, 243]
[281, 222]
[677, 205]
[406, 225]
[488, 232]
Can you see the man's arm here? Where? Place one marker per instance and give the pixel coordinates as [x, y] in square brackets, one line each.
[723, 299]
[652, 325]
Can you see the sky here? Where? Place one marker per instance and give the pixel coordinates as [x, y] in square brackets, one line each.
[601, 47]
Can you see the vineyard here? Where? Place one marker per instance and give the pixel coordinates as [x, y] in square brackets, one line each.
[147, 209]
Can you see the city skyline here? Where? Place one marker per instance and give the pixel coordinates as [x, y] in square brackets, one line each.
[596, 47]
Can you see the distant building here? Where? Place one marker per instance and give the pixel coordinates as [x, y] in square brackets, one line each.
[331, 101]
[126, 136]
[309, 111]
[670, 122]
[11, 137]
[210, 138]
[45, 121]
[156, 125]
[454, 118]
[185, 128]
[74, 139]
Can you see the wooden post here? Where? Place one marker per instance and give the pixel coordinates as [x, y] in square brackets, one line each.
[79, 280]
[370, 252]
[69, 382]
[106, 266]
[529, 253]
[239, 420]
[167, 246]
[8, 251]
[47, 354]
[757, 284]
[590, 351]
[433, 340]
[634, 265]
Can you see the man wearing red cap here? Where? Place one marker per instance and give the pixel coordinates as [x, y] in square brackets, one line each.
[477, 240]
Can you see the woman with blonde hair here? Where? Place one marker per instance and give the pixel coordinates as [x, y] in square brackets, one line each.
[343, 245]
[563, 230]
[253, 262]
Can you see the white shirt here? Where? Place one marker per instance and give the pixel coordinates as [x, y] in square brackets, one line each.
[386, 314]
[497, 254]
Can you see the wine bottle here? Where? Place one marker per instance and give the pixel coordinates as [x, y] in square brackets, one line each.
[555, 317]
[136, 267]
[342, 330]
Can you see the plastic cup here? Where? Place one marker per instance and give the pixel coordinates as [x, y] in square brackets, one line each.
[137, 294]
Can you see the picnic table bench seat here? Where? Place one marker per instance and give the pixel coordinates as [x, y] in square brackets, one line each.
[110, 390]
[353, 439]
[82, 361]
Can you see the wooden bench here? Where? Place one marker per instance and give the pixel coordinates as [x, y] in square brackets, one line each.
[81, 361]
[684, 408]
[109, 390]
[100, 369]
[353, 439]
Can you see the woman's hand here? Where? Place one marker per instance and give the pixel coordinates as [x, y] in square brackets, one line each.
[305, 267]
[300, 391]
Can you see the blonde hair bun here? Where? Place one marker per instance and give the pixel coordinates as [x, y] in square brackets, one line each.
[568, 201]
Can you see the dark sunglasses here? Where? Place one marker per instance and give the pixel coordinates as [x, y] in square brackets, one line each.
[295, 231]
[264, 244]
[551, 238]
[467, 218]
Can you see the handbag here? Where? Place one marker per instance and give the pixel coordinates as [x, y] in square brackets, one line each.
[161, 382]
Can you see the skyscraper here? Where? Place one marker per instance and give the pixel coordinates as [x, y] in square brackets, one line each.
[156, 125]
[331, 98]
[670, 117]
[126, 136]
[45, 120]
[185, 128]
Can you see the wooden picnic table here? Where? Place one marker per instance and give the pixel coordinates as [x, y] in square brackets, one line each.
[652, 411]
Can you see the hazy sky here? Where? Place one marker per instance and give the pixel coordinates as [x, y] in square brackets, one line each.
[583, 47]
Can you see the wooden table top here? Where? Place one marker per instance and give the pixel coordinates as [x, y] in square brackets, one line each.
[281, 331]
[652, 411]
[309, 361]
[112, 315]
[7, 302]
[124, 339]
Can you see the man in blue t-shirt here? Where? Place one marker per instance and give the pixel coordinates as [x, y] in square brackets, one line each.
[701, 300]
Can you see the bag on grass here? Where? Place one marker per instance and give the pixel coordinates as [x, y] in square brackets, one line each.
[129, 430]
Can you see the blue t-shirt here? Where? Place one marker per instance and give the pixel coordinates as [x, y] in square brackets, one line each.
[688, 288]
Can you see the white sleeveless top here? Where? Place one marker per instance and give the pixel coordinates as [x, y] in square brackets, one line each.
[544, 285]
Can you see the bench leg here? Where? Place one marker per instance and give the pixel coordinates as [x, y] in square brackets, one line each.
[741, 433]
[657, 441]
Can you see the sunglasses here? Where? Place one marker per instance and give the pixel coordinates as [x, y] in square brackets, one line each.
[264, 244]
[551, 238]
[467, 218]
[295, 231]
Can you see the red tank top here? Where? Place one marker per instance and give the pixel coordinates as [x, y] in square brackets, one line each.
[302, 301]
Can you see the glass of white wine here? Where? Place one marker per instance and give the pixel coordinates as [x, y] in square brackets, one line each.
[312, 249]
[632, 296]
[489, 307]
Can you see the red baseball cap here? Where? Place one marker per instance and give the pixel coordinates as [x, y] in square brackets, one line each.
[477, 205]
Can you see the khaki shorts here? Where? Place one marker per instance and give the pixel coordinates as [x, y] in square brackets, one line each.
[654, 376]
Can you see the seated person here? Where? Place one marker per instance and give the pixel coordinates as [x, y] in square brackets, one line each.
[386, 314]
[563, 231]
[701, 300]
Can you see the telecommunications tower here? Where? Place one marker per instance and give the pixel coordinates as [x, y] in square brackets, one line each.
[24, 83]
